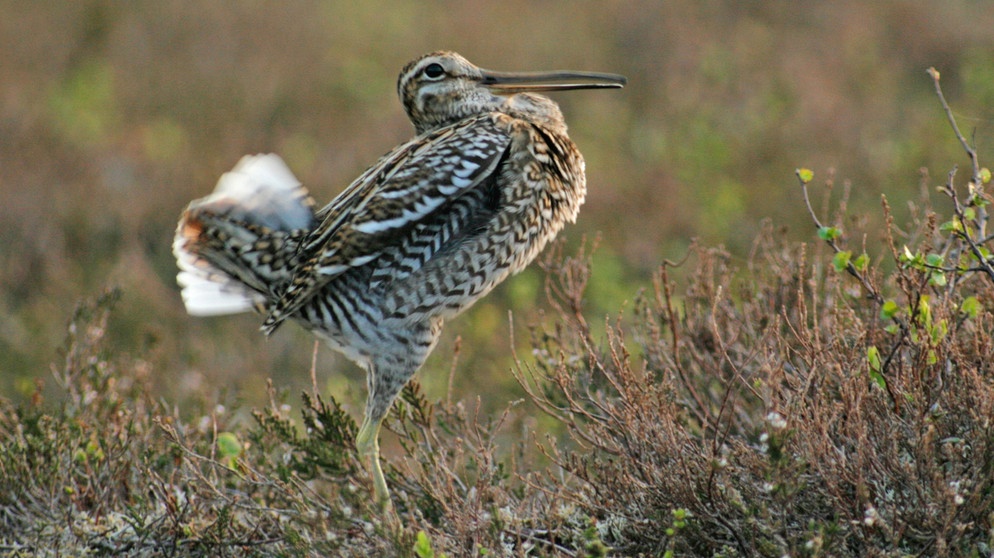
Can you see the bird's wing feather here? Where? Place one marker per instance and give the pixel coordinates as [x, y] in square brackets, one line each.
[405, 187]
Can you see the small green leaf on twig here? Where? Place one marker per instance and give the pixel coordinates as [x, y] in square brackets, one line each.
[970, 307]
[423, 549]
[876, 375]
[889, 310]
[924, 311]
[952, 226]
[985, 254]
[805, 175]
[829, 233]
[985, 175]
[873, 357]
[841, 260]
[939, 331]
[878, 379]
[862, 262]
[937, 279]
[228, 446]
[913, 260]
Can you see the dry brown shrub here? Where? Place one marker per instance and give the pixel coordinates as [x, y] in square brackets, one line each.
[782, 407]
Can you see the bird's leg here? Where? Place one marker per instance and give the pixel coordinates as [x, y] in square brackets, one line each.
[386, 375]
[368, 445]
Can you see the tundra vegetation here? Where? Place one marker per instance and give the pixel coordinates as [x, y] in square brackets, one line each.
[815, 384]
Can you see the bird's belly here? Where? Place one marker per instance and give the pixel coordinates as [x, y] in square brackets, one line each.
[349, 316]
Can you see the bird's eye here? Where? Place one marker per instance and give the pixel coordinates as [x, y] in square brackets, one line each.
[434, 71]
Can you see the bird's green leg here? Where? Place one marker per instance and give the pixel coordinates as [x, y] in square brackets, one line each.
[368, 445]
[386, 375]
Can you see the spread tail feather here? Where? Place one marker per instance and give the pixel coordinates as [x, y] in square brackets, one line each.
[236, 246]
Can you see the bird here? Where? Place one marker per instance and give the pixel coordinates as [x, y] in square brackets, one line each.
[489, 178]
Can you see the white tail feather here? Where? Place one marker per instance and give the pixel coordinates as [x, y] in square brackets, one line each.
[260, 190]
[205, 297]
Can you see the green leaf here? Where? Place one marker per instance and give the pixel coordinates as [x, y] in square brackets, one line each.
[913, 260]
[862, 262]
[889, 310]
[878, 379]
[892, 329]
[937, 279]
[906, 256]
[805, 175]
[969, 214]
[873, 357]
[228, 445]
[939, 331]
[934, 260]
[829, 233]
[951, 226]
[924, 311]
[94, 450]
[985, 175]
[841, 260]
[422, 546]
[876, 366]
[984, 253]
[970, 307]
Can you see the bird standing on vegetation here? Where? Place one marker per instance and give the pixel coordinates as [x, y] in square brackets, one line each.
[434, 225]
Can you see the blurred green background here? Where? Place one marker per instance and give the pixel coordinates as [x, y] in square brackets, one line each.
[113, 115]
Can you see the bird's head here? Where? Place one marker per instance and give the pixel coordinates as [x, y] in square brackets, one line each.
[442, 88]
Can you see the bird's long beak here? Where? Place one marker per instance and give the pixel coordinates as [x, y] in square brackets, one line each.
[515, 82]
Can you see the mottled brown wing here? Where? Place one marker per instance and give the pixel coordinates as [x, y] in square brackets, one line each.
[405, 187]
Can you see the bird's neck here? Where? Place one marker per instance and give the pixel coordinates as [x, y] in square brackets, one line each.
[530, 107]
[537, 109]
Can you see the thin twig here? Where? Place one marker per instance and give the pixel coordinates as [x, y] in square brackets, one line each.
[976, 181]
[970, 151]
[850, 267]
[962, 232]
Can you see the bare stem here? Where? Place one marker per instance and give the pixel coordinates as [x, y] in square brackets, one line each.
[934, 74]
[975, 180]
[963, 232]
[850, 268]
